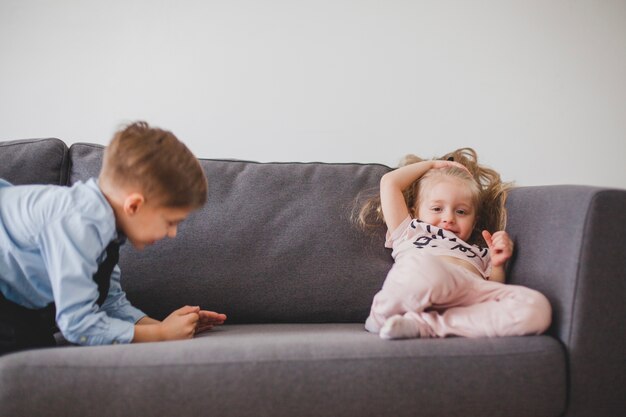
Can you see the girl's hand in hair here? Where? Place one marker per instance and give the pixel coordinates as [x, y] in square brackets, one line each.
[444, 164]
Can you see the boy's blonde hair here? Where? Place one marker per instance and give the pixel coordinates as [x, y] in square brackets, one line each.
[488, 193]
[158, 164]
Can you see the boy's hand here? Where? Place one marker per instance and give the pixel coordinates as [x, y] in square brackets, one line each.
[209, 319]
[500, 246]
[181, 324]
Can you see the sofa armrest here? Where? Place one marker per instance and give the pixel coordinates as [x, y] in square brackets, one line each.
[571, 246]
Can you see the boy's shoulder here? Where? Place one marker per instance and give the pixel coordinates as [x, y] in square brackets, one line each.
[85, 199]
[82, 201]
[75, 216]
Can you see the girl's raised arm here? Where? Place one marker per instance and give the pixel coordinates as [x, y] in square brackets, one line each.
[393, 183]
[391, 186]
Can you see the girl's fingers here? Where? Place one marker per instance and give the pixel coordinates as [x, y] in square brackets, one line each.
[488, 238]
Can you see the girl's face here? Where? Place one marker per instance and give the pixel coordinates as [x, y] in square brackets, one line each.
[448, 204]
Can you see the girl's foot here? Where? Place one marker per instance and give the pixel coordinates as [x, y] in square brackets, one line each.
[399, 327]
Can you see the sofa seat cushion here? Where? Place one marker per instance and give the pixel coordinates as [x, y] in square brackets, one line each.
[292, 370]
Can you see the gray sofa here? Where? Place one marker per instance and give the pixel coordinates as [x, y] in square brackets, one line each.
[274, 249]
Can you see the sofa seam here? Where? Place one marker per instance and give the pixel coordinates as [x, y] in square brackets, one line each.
[20, 142]
[575, 292]
[585, 238]
[239, 361]
[244, 161]
[573, 309]
[247, 161]
[64, 169]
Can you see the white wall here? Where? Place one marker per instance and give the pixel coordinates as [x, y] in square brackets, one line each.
[537, 87]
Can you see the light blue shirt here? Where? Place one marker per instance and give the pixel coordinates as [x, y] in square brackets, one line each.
[52, 239]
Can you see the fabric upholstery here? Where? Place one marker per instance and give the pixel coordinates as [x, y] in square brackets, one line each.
[287, 370]
[262, 251]
[274, 248]
[571, 245]
[34, 161]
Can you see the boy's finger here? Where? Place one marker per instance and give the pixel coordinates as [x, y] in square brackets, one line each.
[192, 317]
[212, 315]
[188, 309]
[211, 320]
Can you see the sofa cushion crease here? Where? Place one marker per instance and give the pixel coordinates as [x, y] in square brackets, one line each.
[289, 342]
[243, 359]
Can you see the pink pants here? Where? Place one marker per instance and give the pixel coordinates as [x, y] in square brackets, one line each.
[446, 299]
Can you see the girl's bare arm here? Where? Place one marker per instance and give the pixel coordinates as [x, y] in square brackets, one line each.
[393, 183]
[501, 249]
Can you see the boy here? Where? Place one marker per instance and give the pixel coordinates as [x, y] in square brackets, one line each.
[59, 246]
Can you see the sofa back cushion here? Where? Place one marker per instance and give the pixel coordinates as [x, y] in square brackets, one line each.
[34, 161]
[274, 243]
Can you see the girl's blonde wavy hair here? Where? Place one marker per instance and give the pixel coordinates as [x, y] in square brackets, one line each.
[488, 190]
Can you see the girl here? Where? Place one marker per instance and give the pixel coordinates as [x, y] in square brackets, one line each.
[439, 215]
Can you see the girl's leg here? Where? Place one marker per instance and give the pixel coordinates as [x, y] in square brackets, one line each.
[415, 287]
[493, 309]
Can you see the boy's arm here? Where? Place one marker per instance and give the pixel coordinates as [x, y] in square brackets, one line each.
[70, 257]
[116, 304]
[147, 320]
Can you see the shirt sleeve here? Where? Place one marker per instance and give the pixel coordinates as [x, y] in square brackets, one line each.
[70, 248]
[398, 232]
[116, 304]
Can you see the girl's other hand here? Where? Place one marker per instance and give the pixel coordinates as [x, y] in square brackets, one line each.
[500, 246]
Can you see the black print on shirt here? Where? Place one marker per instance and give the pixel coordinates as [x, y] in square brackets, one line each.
[430, 241]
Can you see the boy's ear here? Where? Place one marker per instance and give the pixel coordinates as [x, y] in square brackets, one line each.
[133, 203]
